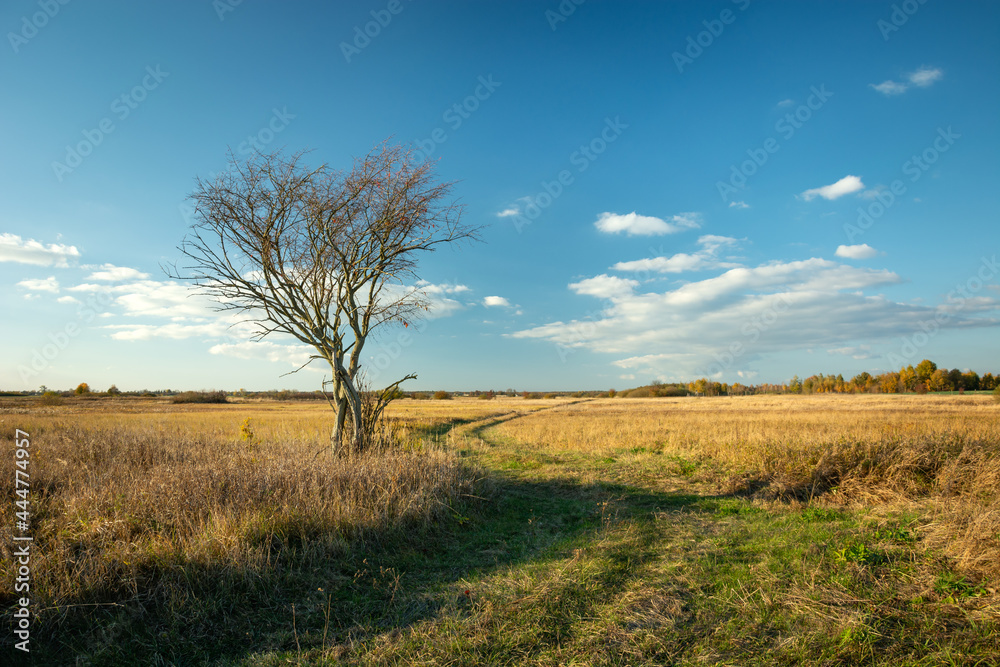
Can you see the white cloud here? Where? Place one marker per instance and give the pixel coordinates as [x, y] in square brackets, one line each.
[605, 286]
[15, 249]
[925, 76]
[786, 102]
[68, 299]
[774, 308]
[508, 212]
[643, 225]
[844, 186]
[49, 284]
[890, 87]
[493, 301]
[442, 288]
[705, 258]
[863, 251]
[738, 204]
[114, 273]
[922, 78]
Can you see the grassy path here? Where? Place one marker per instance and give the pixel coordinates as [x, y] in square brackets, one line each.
[635, 559]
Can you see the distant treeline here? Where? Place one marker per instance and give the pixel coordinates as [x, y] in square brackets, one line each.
[920, 379]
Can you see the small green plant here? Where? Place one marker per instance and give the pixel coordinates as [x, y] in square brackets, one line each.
[858, 553]
[900, 534]
[954, 587]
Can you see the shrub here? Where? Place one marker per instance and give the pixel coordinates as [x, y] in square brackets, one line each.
[487, 396]
[532, 395]
[551, 395]
[996, 394]
[82, 388]
[441, 395]
[201, 397]
[114, 391]
[51, 398]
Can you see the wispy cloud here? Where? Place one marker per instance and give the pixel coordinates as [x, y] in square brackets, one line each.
[925, 76]
[922, 78]
[705, 258]
[844, 186]
[855, 352]
[738, 204]
[113, 273]
[605, 286]
[508, 212]
[634, 224]
[49, 284]
[889, 88]
[293, 355]
[15, 249]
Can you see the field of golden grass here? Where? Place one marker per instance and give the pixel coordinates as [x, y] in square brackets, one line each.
[143, 510]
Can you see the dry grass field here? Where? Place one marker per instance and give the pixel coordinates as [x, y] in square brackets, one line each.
[752, 530]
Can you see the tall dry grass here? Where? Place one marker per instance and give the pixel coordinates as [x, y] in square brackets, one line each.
[939, 451]
[157, 505]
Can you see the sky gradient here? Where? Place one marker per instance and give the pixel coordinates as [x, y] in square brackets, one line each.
[739, 190]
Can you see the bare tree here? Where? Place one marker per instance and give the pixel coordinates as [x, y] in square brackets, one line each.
[322, 255]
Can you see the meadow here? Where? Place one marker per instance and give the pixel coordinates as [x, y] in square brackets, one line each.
[827, 529]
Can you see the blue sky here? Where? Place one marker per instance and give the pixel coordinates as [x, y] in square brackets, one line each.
[742, 190]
